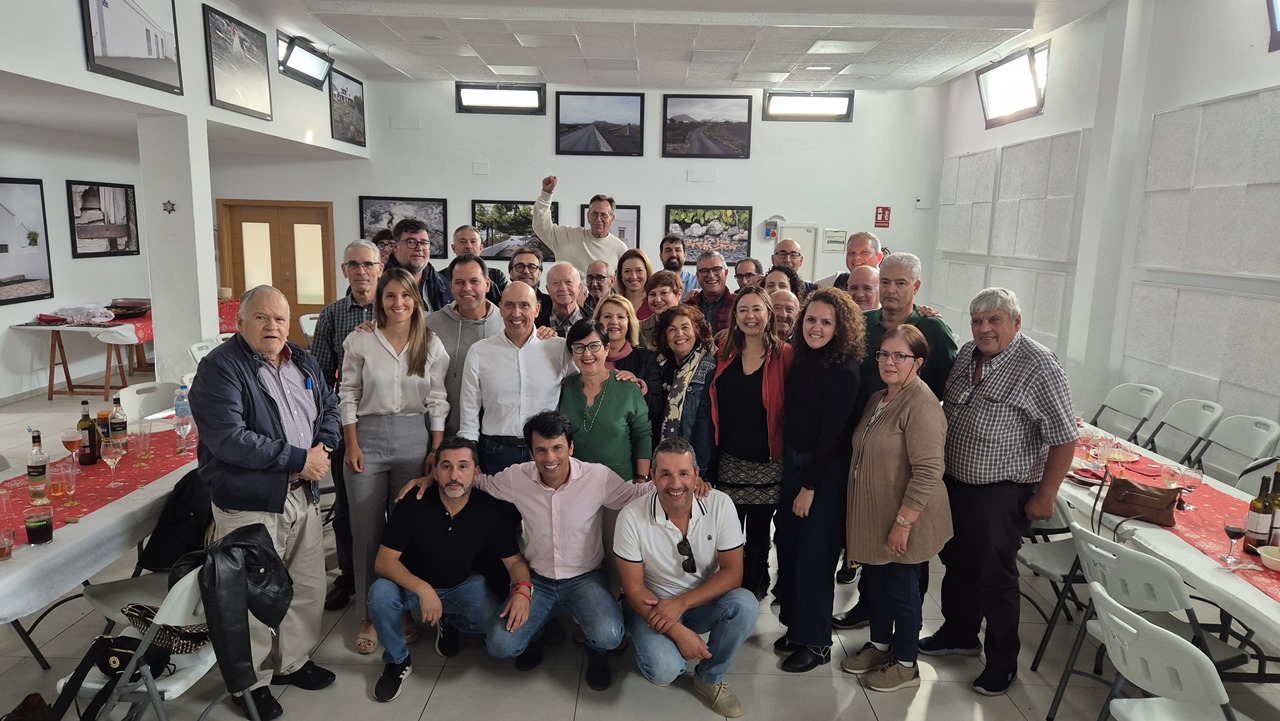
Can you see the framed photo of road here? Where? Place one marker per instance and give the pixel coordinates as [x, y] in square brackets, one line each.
[706, 126]
[626, 223]
[724, 228]
[600, 124]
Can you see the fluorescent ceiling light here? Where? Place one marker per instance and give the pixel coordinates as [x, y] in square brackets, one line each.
[508, 99]
[757, 76]
[516, 69]
[1013, 89]
[808, 106]
[841, 47]
[818, 67]
[547, 41]
[303, 62]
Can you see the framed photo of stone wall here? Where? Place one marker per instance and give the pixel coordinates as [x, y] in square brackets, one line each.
[726, 228]
[104, 219]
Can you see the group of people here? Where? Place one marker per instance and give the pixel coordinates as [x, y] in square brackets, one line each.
[505, 455]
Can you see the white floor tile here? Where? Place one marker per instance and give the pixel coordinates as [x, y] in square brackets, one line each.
[942, 700]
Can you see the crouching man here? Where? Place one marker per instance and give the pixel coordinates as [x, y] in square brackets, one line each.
[427, 565]
[680, 562]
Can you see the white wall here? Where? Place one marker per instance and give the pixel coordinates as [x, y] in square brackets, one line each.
[55, 157]
[832, 174]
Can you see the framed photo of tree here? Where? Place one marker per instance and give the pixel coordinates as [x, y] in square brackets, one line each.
[505, 225]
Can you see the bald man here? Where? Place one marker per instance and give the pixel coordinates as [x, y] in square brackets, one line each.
[864, 285]
[786, 306]
[787, 254]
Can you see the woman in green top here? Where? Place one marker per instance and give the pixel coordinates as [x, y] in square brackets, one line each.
[610, 418]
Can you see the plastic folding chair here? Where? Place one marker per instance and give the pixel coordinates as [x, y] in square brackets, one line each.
[1253, 437]
[143, 399]
[1192, 416]
[308, 324]
[1182, 679]
[201, 348]
[1134, 400]
[1056, 561]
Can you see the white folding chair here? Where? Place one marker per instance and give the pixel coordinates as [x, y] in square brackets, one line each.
[1056, 561]
[188, 378]
[143, 399]
[1182, 679]
[1250, 436]
[201, 348]
[1191, 416]
[224, 337]
[308, 323]
[1134, 400]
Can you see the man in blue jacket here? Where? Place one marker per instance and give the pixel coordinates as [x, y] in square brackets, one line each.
[267, 424]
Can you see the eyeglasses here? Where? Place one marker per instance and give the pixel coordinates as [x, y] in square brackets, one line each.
[414, 242]
[366, 265]
[597, 215]
[897, 357]
[788, 254]
[592, 347]
[685, 550]
[597, 278]
[384, 244]
[746, 276]
[715, 269]
[526, 267]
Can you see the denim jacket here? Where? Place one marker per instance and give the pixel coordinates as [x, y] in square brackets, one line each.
[695, 418]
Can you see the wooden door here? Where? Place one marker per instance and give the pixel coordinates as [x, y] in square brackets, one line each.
[285, 244]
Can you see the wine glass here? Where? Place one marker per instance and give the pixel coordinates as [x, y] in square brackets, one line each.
[112, 452]
[1192, 478]
[1233, 524]
[70, 489]
[183, 426]
[71, 440]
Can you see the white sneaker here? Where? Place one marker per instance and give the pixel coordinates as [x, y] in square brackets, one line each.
[719, 696]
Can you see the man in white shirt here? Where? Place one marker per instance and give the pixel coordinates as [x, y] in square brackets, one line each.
[510, 377]
[862, 249]
[578, 246]
[680, 561]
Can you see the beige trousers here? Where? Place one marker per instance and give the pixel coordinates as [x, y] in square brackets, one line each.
[297, 536]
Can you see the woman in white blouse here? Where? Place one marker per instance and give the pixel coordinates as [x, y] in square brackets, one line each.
[393, 413]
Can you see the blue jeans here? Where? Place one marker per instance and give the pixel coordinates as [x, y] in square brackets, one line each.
[586, 597]
[730, 620]
[895, 600]
[468, 607]
[496, 457]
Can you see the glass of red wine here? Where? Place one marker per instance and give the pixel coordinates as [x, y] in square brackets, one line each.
[1233, 524]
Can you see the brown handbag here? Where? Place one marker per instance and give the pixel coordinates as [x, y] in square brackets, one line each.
[1139, 501]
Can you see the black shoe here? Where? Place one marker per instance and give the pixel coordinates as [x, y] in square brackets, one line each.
[993, 681]
[846, 576]
[447, 644]
[266, 704]
[939, 645]
[389, 683]
[782, 645]
[310, 677]
[339, 597]
[856, 617]
[599, 675]
[532, 656]
[807, 658]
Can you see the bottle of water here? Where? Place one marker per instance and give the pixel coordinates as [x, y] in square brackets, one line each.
[181, 406]
[183, 423]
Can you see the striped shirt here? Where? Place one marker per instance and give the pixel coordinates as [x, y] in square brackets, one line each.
[1001, 428]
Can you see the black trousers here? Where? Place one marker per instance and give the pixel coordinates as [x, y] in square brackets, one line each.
[809, 547]
[341, 517]
[982, 572]
[756, 520]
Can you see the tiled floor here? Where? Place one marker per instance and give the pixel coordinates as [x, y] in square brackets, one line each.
[472, 685]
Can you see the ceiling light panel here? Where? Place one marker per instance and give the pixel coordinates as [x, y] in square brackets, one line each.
[516, 69]
[547, 41]
[755, 76]
[838, 47]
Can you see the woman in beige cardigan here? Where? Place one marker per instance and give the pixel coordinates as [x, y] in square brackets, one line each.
[898, 511]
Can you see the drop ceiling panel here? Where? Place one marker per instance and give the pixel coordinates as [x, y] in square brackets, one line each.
[610, 30]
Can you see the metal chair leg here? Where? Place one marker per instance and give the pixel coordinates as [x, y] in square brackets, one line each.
[1070, 666]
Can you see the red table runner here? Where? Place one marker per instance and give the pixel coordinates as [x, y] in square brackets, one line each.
[91, 490]
[1203, 527]
[227, 310]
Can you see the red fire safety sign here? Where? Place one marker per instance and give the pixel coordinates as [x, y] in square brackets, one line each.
[882, 216]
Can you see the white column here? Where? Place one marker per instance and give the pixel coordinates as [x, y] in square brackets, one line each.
[174, 154]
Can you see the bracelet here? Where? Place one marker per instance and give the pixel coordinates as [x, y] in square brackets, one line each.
[525, 584]
[521, 592]
[900, 521]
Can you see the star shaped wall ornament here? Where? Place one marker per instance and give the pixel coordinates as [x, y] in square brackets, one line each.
[169, 207]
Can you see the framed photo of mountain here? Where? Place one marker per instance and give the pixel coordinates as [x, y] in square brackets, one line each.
[706, 126]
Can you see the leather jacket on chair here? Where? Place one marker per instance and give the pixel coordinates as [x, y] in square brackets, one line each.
[239, 574]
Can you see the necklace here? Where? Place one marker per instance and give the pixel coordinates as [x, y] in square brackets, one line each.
[588, 418]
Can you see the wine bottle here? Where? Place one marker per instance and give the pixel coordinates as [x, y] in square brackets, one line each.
[88, 453]
[1257, 530]
[1275, 505]
[119, 423]
[38, 472]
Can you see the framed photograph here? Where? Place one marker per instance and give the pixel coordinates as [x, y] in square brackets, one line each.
[137, 42]
[706, 126]
[240, 64]
[346, 108]
[505, 225]
[600, 124]
[626, 223]
[726, 228]
[104, 219]
[25, 273]
[382, 213]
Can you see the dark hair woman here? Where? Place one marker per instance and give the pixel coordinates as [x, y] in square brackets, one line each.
[687, 361]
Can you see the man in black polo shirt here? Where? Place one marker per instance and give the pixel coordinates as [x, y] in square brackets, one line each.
[427, 565]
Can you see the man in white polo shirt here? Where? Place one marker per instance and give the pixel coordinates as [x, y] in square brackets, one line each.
[680, 562]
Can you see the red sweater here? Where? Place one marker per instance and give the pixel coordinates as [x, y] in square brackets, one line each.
[773, 391]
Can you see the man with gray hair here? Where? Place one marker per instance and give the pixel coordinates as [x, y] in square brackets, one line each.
[564, 284]
[361, 267]
[466, 241]
[1011, 434]
[862, 249]
[600, 282]
[268, 424]
[714, 298]
[578, 246]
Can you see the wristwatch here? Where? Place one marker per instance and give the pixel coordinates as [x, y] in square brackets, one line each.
[327, 450]
[902, 522]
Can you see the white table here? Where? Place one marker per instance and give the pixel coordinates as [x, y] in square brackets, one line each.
[113, 337]
[1241, 599]
[37, 576]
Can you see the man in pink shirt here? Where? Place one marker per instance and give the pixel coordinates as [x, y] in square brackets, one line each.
[562, 501]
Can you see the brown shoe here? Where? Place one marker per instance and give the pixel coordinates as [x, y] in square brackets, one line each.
[867, 659]
[719, 696]
[892, 676]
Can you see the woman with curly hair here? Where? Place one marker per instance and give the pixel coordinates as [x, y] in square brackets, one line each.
[687, 360]
[830, 343]
[633, 272]
[780, 277]
[747, 396]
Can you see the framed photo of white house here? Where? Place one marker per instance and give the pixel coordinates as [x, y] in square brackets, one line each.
[239, 65]
[25, 272]
[135, 41]
[346, 108]
[104, 219]
[626, 223]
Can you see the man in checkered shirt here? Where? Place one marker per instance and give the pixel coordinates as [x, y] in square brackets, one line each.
[1011, 434]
